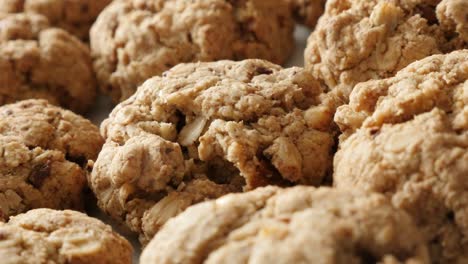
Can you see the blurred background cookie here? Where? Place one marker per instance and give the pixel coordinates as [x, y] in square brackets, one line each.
[407, 137]
[296, 225]
[307, 12]
[74, 16]
[133, 40]
[37, 61]
[49, 236]
[44, 153]
[206, 129]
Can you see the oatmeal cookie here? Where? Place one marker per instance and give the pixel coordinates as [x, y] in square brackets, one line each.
[43, 153]
[49, 236]
[357, 40]
[296, 225]
[207, 129]
[133, 40]
[407, 137]
[74, 16]
[37, 61]
[307, 12]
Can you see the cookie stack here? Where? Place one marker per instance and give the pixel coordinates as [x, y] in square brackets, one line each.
[216, 154]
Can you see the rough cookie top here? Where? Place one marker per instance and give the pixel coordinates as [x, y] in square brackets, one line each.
[37, 61]
[74, 16]
[205, 129]
[357, 40]
[407, 137]
[296, 225]
[133, 40]
[307, 12]
[49, 236]
[43, 153]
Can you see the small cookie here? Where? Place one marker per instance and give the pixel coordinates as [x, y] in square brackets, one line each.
[134, 40]
[74, 16]
[357, 40]
[43, 153]
[207, 129]
[296, 225]
[407, 137]
[49, 236]
[37, 61]
[307, 12]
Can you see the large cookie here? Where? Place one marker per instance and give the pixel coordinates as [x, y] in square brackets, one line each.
[407, 137]
[133, 40]
[297, 225]
[37, 61]
[207, 129]
[307, 12]
[74, 16]
[49, 236]
[357, 40]
[43, 154]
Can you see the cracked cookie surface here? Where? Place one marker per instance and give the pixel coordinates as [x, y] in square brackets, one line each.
[44, 151]
[74, 16]
[407, 137]
[134, 40]
[49, 236]
[296, 225]
[357, 40]
[37, 61]
[207, 129]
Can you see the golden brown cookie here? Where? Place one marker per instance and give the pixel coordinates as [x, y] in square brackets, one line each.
[296, 225]
[407, 137]
[357, 40]
[37, 61]
[307, 12]
[207, 129]
[43, 153]
[74, 16]
[49, 236]
[133, 40]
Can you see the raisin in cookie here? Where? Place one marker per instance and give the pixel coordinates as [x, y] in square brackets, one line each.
[49, 236]
[297, 225]
[407, 137]
[357, 40]
[133, 40]
[74, 16]
[307, 12]
[43, 153]
[37, 61]
[207, 129]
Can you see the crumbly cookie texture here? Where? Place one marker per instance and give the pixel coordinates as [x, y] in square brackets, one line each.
[407, 137]
[134, 40]
[50, 236]
[357, 40]
[296, 225]
[307, 12]
[74, 16]
[207, 129]
[37, 61]
[43, 153]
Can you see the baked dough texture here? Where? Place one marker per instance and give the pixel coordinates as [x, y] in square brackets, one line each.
[307, 12]
[60, 237]
[43, 154]
[407, 137]
[37, 61]
[207, 129]
[134, 40]
[296, 225]
[358, 40]
[74, 16]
